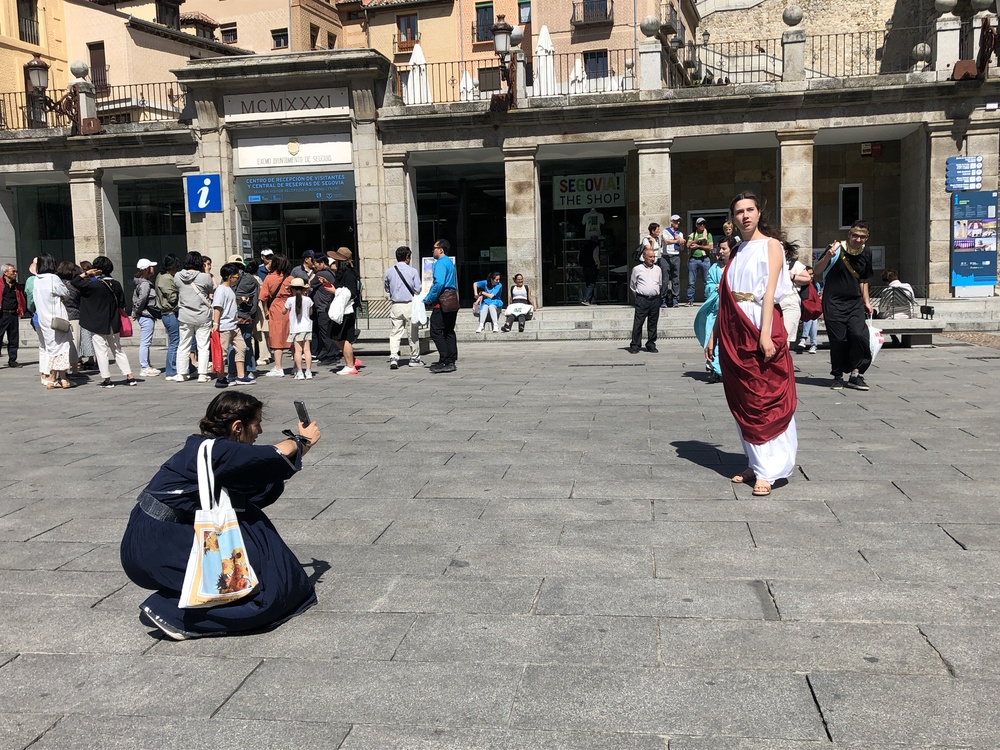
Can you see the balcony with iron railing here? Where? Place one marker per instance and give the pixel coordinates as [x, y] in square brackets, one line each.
[482, 34]
[593, 13]
[404, 46]
[116, 105]
[27, 30]
[99, 77]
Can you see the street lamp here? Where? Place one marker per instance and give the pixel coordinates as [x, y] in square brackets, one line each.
[502, 32]
[36, 75]
[705, 36]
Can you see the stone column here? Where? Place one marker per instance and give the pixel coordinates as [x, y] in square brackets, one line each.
[368, 176]
[650, 65]
[793, 52]
[654, 186]
[913, 204]
[975, 139]
[524, 254]
[8, 249]
[87, 199]
[948, 30]
[110, 215]
[795, 203]
[400, 208]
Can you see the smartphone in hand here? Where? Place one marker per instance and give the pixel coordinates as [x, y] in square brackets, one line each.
[300, 409]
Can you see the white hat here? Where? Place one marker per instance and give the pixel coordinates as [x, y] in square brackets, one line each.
[144, 263]
[266, 251]
[675, 217]
[699, 220]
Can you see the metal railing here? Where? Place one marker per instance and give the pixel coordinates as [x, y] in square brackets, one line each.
[27, 29]
[99, 77]
[143, 102]
[863, 53]
[21, 111]
[668, 14]
[482, 34]
[590, 12]
[448, 82]
[592, 73]
[754, 61]
[404, 45]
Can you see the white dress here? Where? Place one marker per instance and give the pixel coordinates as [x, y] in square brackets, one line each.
[48, 293]
[748, 272]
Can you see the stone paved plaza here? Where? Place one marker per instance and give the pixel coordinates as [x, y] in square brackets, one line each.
[542, 551]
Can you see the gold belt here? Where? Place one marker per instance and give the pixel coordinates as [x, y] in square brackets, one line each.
[744, 297]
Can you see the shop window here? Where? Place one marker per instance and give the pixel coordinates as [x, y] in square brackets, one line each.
[152, 219]
[484, 22]
[524, 12]
[595, 63]
[279, 38]
[850, 204]
[313, 37]
[229, 34]
[43, 222]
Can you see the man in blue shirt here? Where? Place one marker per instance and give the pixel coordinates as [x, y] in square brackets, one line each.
[443, 294]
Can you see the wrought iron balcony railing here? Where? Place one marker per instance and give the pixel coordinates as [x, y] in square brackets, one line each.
[593, 13]
[27, 30]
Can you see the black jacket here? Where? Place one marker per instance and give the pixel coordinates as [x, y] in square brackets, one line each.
[100, 300]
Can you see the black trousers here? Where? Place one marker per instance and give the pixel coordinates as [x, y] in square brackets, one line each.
[850, 348]
[443, 335]
[323, 346]
[9, 328]
[647, 310]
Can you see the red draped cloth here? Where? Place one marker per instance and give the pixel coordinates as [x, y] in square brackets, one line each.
[761, 394]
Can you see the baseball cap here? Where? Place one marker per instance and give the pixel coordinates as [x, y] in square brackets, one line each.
[265, 252]
[144, 263]
[699, 220]
[675, 217]
[236, 259]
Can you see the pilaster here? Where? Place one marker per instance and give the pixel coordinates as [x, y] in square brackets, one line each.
[523, 218]
[372, 250]
[87, 200]
[795, 203]
[654, 182]
[8, 249]
[400, 208]
[650, 65]
[793, 53]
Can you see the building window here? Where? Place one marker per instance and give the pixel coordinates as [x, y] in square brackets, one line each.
[850, 204]
[168, 14]
[407, 27]
[98, 66]
[228, 31]
[524, 11]
[27, 21]
[279, 38]
[595, 63]
[331, 40]
[484, 22]
[355, 15]
[489, 78]
[313, 37]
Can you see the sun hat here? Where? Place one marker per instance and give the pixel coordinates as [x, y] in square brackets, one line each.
[297, 282]
[342, 253]
[236, 259]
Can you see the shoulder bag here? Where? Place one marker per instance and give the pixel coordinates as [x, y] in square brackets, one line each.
[448, 301]
[125, 321]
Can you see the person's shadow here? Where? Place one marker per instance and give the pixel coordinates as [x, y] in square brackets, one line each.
[319, 567]
[710, 456]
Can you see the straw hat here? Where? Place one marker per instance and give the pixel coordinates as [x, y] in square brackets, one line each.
[296, 283]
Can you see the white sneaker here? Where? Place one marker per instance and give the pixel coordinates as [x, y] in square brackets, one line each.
[803, 344]
[204, 378]
[417, 362]
[348, 371]
[275, 374]
[479, 330]
[812, 349]
[174, 378]
[149, 372]
[309, 375]
[300, 375]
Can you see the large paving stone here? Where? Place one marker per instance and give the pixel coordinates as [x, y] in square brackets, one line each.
[701, 599]
[18, 731]
[407, 593]
[909, 709]
[419, 738]
[970, 536]
[793, 535]
[969, 650]
[446, 695]
[754, 509]
[536, 639]
[667, 701]
[818, 564]
[95, 685]
[474, 531]
[565, 510]
[486, 560]
[793, 647]
[957, 566]
[731, 534]
[179, 733]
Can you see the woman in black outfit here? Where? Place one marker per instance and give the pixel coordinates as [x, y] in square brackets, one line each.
[343, 334]
[100, 299]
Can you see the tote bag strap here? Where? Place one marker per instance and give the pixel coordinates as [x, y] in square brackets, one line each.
[206, 480]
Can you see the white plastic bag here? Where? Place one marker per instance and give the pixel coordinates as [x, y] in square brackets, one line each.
[419, 313]
[341, 305]
[218, 569]
[875, 338]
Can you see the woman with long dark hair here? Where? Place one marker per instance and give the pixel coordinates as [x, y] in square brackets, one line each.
[757, 371]
[158, 538]
[273, 294]
[49, 292]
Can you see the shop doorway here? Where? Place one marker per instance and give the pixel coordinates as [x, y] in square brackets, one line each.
[300, 238]
[293, 228]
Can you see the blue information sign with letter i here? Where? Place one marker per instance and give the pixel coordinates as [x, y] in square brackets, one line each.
[204, 193]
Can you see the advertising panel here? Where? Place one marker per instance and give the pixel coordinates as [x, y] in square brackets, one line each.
[974, 239]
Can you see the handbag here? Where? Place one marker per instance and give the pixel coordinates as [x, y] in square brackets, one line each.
[476, 306]
[218, 570]
[59, 324]
[448, 301]
[812, 305]
[215, 353]
[126, 323]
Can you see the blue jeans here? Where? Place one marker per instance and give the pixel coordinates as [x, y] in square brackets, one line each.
[809, 331]
[173, 339]
[145, 341]
[696, 266]
[251, 361]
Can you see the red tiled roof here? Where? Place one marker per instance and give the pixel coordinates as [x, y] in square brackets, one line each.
[198, 17]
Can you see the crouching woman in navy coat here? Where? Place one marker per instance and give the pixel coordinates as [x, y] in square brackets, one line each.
[157, 541]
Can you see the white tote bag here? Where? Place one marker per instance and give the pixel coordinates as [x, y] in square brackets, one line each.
[875, 338]
[418, 313]
[342, 305]
[218, 570]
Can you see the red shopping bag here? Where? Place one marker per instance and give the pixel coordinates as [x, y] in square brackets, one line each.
[215, 344]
